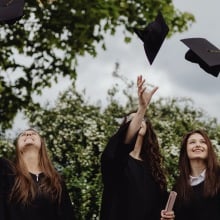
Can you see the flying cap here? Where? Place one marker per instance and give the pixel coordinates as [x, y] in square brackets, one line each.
[153, 36]
[203, 53]
[11, 10]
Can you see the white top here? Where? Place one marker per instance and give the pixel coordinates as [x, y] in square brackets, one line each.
[195, 180]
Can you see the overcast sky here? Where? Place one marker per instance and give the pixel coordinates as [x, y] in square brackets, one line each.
[175, 76]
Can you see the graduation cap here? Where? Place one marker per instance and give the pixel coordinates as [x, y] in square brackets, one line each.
[153, 36]
[11, 10]
[203, 53]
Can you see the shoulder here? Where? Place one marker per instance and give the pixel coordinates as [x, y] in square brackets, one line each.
[5, 165]
[61, 177]
[3, 160]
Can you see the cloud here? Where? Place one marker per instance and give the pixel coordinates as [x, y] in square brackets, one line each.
[170, 71]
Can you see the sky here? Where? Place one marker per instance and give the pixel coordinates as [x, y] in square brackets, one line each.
[174, 76]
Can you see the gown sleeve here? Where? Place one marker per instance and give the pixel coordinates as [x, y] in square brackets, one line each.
[115, 154]
[6, 181]
[66, 207]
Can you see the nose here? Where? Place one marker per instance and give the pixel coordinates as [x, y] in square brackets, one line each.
[28, 134]
[198, 145]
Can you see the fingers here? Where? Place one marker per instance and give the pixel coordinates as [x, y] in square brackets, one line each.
[141, 91]
[144, 94]
[142, 88]
[140, 81]
[154, 90]
[166, 218]
[167, 215]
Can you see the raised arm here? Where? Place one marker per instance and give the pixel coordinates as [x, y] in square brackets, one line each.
[144, 98]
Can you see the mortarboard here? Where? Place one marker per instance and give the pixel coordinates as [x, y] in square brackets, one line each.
[153, 36]
[203, 53]
[11, 10]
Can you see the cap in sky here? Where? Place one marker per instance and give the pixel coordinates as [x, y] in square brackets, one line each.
[153, 36]
[11, 10]
[204, 53]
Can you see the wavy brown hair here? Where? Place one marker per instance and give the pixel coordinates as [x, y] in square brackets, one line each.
[24, 189]
[212, 179]
[151, 155]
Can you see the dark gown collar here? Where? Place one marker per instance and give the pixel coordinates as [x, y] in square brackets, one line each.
[36, 177]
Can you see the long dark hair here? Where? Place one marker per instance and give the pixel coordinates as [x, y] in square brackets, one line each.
[24, 190]
[151, 155]
[212, 179]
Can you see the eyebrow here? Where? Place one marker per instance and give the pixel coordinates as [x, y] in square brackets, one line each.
[24, 132]
[194, 139]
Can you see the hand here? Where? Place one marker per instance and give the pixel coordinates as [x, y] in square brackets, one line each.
[165, 215]
[144, 96]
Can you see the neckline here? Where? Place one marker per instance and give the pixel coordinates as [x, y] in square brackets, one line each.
[139, 161]
[36, 174]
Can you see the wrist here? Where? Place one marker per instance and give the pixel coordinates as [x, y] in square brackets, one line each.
[141, 111]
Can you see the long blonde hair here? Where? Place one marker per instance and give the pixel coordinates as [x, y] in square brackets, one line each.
[24, 189]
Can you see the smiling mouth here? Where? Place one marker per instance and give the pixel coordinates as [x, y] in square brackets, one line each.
[28, 139]
[198, 150]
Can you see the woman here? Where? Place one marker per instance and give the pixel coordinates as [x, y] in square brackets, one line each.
[198, 184]
[134, 182]
[38, 191]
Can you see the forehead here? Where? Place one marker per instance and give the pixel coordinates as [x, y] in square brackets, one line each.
[195, 136]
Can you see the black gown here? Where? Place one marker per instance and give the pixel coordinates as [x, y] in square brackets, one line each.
[42, 208]
[199, 207]
[6, 181]
[130, 191]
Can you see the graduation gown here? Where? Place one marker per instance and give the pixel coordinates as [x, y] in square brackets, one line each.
[130, 191]
[42, 208]
[6, 181]
[199, 207]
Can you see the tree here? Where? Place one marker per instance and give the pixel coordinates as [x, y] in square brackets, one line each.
[45, 43]
[77, 131]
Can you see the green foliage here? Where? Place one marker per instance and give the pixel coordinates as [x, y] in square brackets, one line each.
[77, 131]
[6, 147]
[46, 42]
[172, 119]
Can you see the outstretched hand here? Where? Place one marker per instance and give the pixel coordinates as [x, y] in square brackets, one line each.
[144, 95]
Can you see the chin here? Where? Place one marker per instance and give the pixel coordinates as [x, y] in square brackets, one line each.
[141, 134]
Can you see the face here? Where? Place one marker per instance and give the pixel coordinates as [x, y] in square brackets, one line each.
[197, 147]
[28, 138]
[143, 127]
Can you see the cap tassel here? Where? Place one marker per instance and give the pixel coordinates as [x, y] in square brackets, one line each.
[214, 51]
